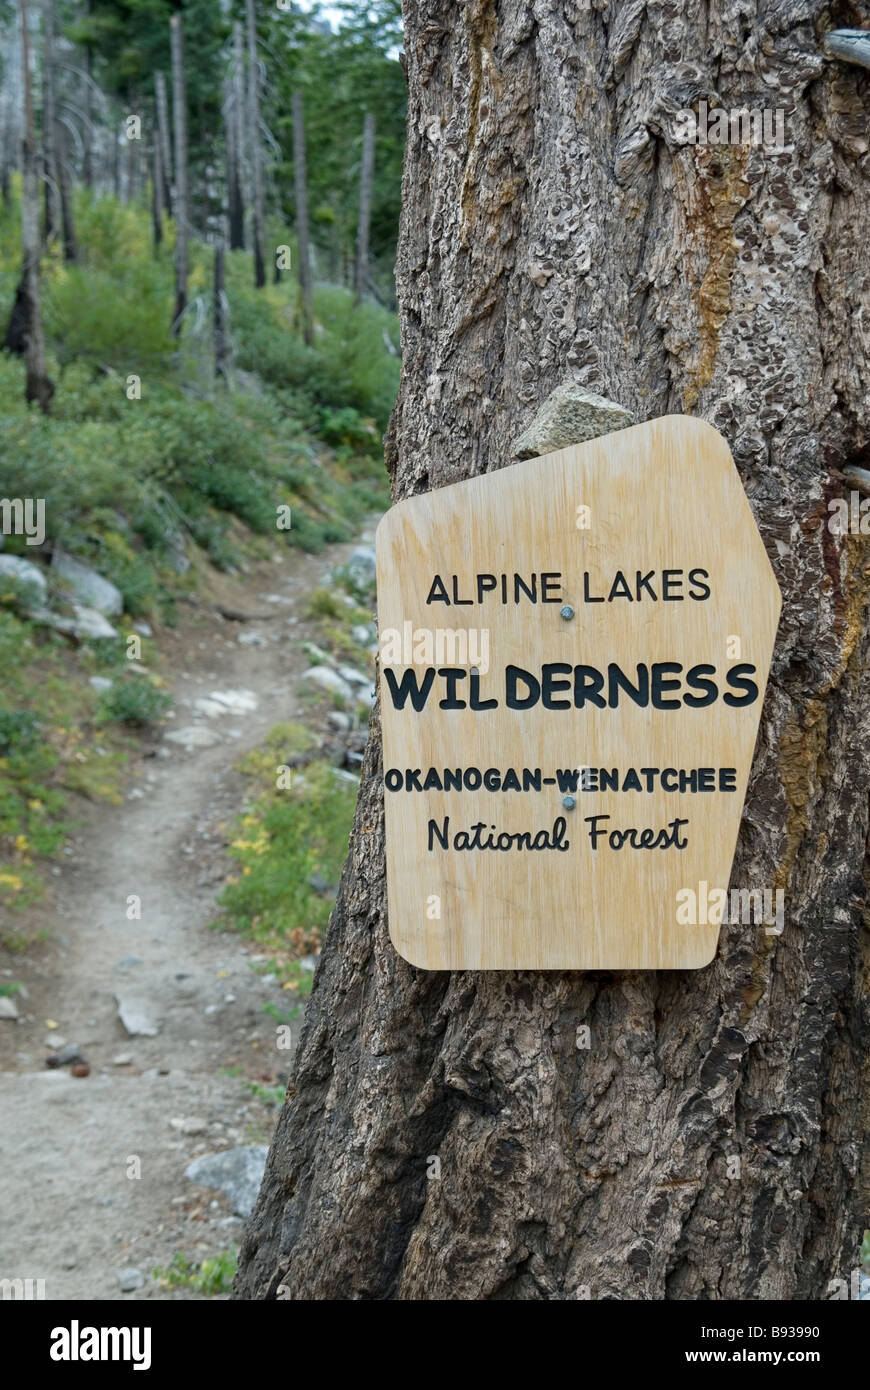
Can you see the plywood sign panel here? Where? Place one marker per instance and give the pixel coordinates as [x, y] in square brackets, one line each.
[574, 652]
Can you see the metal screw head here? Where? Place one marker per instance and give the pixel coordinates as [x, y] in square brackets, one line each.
[566, 612]
[569, 802]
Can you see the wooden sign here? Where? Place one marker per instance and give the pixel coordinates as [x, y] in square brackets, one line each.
[573, 657]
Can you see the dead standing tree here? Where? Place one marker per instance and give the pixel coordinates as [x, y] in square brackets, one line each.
[180, 200]
[366, 180]
[221, 335]
[255, 150]
[163, 139]
[157, 185]
[11, 115]
[49, 123]
[554, 228]
[235, 126]
[54, 139]
[300, 185]
[24, 334]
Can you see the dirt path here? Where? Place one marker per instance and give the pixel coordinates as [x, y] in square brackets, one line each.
[71, 1214]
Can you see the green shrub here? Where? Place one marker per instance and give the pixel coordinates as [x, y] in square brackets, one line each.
[348, 368]
[209, 1277]
[323, 604]
[136, 701]
[21, 594]
[286, 837]
[19, 731]
[84, 320]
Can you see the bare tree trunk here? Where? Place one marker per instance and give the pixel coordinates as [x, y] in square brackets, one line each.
[132, 153]
[334, 264]
[179, 115]
[124, 165]
[236, 143]
[366, 179]
[87, 130]
[116, 158]
[221, 345]
[49, 124]
[6, 155]
[157, 193]
[70, 246]
[301, 187]
[233, 209]
[24, 334]
[255, 150]
[708, 1144]
[9, 140]
[163, 140]
[132, 148]
[56, 145]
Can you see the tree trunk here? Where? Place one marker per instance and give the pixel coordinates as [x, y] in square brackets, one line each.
[7, 145]
[179, 115]
[64, 184]
[236, 143]
[6, 159]
[366, 179]
[553, 229]
[87, 122]
[58, 193]
[24, 334]
[157, 193]
[116, 158]
[49, 124]
[131, 150]
[163, 137]
[221, 345]
[301, 187]
[255, 150]
[235, 213]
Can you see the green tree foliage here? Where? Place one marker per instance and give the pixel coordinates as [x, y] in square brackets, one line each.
[129, 42]
[342, 76]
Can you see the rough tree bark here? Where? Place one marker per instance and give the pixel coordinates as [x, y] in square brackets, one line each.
[366, 179]
[24, 333]
[258, 196]
[554, 229]
[179, 117]
[300, 185]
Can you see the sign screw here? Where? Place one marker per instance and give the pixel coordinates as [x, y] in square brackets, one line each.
[569, 802]
[566, 612]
